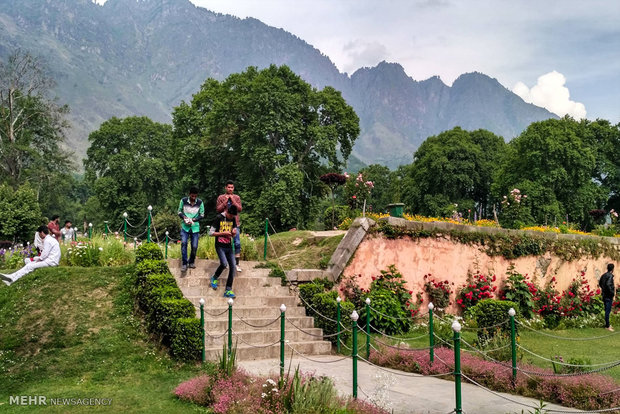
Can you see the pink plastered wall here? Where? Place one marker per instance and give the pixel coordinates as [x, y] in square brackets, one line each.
[447, 260]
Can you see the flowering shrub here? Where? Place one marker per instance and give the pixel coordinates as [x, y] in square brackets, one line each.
[589, 392]
[478, 287]
[84, 254]
[438, 292]
[243, 393]
[519, 289]
[13, 258]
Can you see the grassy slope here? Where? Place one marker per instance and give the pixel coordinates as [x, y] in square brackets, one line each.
[70, 332]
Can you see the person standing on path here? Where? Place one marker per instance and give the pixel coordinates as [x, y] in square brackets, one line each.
[224, 201]
[50, 256]
[191, 211]
[224, 229]
[608, 291]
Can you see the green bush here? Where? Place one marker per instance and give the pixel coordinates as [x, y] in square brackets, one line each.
[387, 314]
[165, 221]
[185, 342]
[339, 214]
[152, 295]
[83, 254]
[164, 314]
[150, 267]
[307, 291]
[148, 251]
[19, 213]
[489, 315]
[518, 290]
[326, 305]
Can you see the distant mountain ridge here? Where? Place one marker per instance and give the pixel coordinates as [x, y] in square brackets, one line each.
[142, 57]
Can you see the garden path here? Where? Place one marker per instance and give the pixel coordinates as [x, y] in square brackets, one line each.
[404, 394]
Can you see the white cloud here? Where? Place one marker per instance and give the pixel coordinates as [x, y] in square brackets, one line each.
[550, 93]
[360, 53]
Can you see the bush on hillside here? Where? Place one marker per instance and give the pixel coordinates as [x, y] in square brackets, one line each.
[491, 317]
[185, 343]
[148, 251]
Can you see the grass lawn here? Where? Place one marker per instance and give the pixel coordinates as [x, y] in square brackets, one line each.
[291, 249]
[70, 332]
[598, 351]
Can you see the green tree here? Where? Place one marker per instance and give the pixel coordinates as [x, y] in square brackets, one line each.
[129, 166]
[553, 163]
[32, 124]
[454, 167]
[19, 213]
[270, 132]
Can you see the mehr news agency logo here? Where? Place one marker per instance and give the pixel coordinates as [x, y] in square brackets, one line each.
[43, 400]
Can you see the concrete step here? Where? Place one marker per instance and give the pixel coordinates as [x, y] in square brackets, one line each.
[239, 282]
[220, 323]
[212, 301]
[265, 337]
[246, 352]
[205, 292]
[252, 312]
[208, 265]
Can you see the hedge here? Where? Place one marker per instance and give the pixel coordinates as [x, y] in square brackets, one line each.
[168, 315]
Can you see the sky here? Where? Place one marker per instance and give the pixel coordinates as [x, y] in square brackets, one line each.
[563, 55]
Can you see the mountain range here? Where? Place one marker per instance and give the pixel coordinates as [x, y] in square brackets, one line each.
[143, 57]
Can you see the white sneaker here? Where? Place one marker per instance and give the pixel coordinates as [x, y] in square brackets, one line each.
[7, 280]
[238, 268]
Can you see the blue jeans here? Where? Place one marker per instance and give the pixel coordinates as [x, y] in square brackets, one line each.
[608, 302]
[237, 241]
[184, 236]
[227, 259]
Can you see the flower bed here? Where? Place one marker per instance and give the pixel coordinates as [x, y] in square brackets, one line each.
[586, 392]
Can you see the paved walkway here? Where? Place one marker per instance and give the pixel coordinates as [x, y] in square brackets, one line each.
[403, 394]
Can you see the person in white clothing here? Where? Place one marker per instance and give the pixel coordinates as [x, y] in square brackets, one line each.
[50, 256]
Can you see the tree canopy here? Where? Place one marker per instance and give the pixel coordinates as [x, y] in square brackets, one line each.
[270, 132]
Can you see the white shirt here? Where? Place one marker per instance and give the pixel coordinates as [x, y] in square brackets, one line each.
[67, 233]
[51, 251]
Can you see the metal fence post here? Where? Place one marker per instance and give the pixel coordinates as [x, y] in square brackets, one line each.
[202, 327]
[266, 234]
[513, 341]
[456, 327]
[431, 334]
[338, 300]
[282, 320]
[148, 228]
[354, 318]
[230, 305]
[166, 249]
[90, 231]
[367, 328]
[125, 226]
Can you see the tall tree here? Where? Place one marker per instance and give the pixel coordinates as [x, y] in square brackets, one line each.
[129, 166]
[553, 162]
[271, 132]
[454, 167]
[31, 123]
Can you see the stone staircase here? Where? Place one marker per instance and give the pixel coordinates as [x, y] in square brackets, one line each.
[258, 302]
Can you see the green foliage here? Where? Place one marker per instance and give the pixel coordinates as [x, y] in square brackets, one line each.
[129, 166]
[307, 291]
[228, 361]
[454, 167]
[19, 213]
[518, 290]
[32, 131]
[185, 343]
[148, 251]
[477, 287]
[84, 254]
[491, 317]
[325, 304]
[387, 314]
[289, 136]
[571, 366]
[166, 221]
[339, 213]
[168, 314]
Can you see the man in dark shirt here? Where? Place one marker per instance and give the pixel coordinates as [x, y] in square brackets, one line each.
[608, 291]
[229, 198]
[224, 228]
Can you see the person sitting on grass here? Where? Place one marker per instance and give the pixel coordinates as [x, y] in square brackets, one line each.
[224, 228]
[50, 256]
